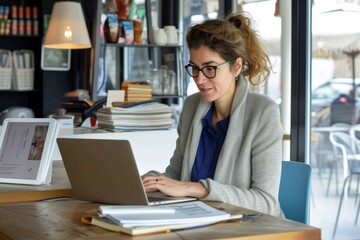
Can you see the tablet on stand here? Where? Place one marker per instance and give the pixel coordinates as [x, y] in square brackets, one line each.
[26, 147]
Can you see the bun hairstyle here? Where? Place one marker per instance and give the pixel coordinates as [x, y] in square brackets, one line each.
[233, 38]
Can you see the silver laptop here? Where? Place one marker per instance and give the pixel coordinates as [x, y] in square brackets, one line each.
[105, 171]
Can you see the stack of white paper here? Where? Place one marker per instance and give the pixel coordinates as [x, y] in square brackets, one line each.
[151, 115]
[189, 212]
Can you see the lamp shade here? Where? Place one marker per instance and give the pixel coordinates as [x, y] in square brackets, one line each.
[67, 28]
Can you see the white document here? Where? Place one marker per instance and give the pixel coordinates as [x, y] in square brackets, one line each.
[195, 211]
[114, 96]
[126, 209]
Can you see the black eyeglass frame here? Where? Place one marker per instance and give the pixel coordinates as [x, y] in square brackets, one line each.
[201, 69]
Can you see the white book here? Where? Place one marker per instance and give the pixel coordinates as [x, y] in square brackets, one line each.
[136, 210]
[195, 212]
[141, 230]
[137, 122]
[133, 116]
[148, 108]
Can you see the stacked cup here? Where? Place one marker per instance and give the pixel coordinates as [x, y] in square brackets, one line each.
[162, 36]
[171, 33]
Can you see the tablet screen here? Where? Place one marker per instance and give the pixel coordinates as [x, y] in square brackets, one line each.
[23, 148]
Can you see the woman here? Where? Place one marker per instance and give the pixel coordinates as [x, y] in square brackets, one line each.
[229, 144]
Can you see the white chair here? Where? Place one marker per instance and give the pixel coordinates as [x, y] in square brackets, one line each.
[351, 165]
[355, 135]
[337, 127]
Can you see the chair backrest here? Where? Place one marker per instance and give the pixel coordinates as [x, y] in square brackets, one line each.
[294, 193]
[355, 133]
[341, 127]
[348, 147]
[344, 139]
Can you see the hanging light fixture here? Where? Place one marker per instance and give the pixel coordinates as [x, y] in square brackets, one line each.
[67, 28]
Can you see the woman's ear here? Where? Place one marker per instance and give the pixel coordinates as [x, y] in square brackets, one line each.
[237, 67]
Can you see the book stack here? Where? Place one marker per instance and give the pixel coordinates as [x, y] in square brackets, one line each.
[140, 116]
[137, 91]
[139, 220]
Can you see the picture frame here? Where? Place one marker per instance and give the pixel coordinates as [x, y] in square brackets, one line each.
[55, 59]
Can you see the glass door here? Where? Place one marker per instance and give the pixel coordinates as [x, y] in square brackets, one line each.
[334, 103]
[335, 116]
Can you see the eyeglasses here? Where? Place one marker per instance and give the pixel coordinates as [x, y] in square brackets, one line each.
[208, 71]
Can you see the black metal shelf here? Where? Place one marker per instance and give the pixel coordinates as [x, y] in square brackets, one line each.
[141, 45]
[10, 91]
[21, 36]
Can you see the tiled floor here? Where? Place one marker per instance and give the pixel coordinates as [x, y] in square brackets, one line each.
[323, 210]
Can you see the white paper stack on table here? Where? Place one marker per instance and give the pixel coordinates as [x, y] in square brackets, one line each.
[190, 212]
[146, 116]
[138, 220]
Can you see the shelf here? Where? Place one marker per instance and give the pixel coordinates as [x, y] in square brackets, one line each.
[21, 36]
[10, 91]
[132, 61]
[141, 46]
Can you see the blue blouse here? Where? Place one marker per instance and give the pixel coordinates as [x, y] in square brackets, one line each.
[211, 142]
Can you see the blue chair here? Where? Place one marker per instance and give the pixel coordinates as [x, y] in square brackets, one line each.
[294, 193]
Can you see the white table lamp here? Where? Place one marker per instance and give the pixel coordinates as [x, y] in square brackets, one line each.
[67, 28]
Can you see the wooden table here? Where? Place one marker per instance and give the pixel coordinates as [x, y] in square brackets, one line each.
[29, 212]
[59, 187]
[61, 220]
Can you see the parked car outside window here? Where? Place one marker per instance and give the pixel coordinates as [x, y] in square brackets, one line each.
[337, 95]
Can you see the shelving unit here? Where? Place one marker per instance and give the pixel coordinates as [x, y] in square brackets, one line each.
[25, 98]
[156, 55]
[49, 86]
[126, 66]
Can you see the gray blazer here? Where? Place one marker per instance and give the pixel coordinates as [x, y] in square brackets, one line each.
[249, 165]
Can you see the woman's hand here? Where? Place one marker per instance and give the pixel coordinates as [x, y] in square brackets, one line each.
[173, 187]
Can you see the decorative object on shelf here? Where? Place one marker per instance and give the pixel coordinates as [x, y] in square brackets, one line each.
[67, 28]
[111, 25]
[138, 29]
[5, 69]
[126, 31]
[152, 32]
[110, 6]
[123, 9]
[4, 20]
[172, 35]
[169, 83]
[160, 37]
[24, 69]
[111, 28]
[19, 22]
[163, 81]
[155, 81]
